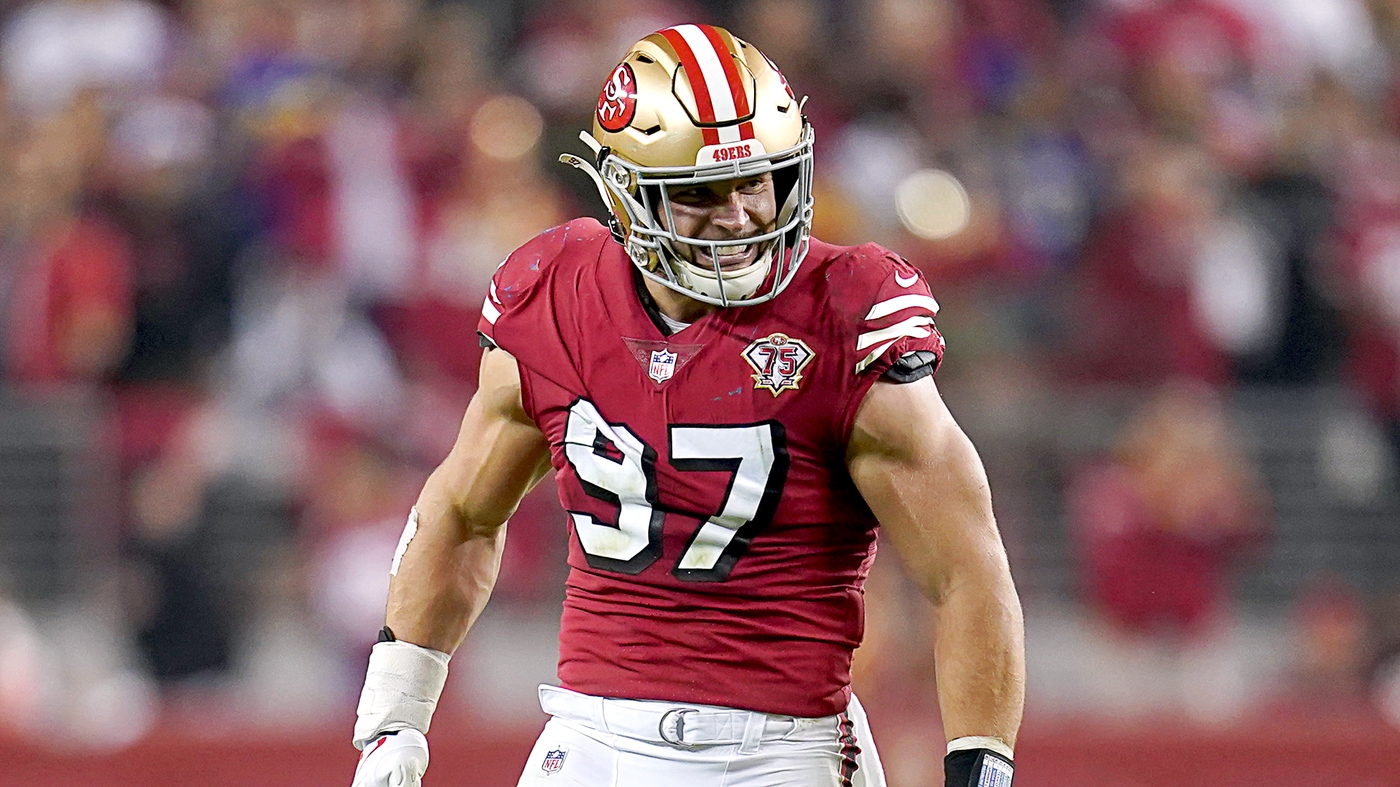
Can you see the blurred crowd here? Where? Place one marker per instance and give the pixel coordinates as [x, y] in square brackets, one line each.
[257, 234]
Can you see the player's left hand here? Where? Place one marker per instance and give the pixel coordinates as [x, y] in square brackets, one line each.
[394, 760]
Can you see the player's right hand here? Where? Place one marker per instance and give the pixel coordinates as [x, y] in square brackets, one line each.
[396, 759]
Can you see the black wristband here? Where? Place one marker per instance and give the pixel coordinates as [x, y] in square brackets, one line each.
[976, 768]
[386, 634]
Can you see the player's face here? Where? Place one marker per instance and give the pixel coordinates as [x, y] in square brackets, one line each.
[723, 209]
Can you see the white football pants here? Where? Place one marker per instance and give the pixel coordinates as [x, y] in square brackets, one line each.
[598, 742]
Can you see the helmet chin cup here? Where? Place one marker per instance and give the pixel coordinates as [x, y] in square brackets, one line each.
[735, 285]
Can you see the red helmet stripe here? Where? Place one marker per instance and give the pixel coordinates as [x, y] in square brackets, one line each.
[698, 85]
[731, 70]
[731, 75]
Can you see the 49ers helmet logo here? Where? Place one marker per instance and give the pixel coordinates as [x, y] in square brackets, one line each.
[778, 361]
[617, 104]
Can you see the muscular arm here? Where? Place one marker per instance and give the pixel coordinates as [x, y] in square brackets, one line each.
[450, 566]
[922, 478]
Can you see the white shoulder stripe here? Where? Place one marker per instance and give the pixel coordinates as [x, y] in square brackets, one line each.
[900, 303]
[497, 298]
[875, 353]
[914, 326]
[490, 312]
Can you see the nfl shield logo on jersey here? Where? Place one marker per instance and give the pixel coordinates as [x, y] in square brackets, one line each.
[553, 760]
[778, 360]
[663, 365]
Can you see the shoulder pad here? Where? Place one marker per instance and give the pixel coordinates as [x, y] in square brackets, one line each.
[517, 278]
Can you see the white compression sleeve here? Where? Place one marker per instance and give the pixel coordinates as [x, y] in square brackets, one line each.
[401, 690]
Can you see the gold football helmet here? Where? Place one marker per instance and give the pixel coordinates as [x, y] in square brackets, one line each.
[693, 104]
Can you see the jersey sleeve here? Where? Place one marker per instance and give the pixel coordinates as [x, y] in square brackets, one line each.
[518, 281]
[888, 326]
[897, 329]
[530, 310]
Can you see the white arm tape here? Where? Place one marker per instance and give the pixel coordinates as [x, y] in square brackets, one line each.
[401, 690]
[409, 530]
[981, 742]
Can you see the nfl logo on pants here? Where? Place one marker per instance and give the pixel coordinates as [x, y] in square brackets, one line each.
[553, 760]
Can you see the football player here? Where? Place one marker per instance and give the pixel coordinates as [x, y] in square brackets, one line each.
[730, 407]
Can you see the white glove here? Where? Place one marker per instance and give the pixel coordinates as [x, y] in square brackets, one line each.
[395, 760]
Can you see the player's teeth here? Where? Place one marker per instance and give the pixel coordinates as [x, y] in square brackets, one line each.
[724, 250]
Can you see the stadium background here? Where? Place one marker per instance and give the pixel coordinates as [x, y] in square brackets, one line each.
[243, 245]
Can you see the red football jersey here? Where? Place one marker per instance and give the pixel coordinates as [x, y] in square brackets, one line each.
[718, 547]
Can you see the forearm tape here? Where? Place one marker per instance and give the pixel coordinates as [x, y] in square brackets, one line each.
[401, 690]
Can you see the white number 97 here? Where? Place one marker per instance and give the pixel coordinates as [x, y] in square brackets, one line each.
[613, 464]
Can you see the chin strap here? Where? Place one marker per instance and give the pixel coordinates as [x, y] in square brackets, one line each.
[591, 170]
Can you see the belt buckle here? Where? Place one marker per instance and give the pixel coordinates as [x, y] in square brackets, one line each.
[679, 740]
